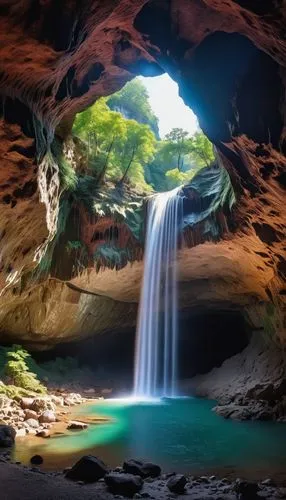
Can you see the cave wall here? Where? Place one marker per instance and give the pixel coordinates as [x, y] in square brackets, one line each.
[229, 61]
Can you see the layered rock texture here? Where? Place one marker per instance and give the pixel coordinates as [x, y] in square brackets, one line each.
[229, 61]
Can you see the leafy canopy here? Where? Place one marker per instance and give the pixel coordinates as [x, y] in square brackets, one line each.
[118, 148]
[133, 102]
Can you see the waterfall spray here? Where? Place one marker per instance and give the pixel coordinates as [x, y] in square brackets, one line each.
[157, 329]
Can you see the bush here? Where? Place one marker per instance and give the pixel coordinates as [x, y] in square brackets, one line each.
[16, 369]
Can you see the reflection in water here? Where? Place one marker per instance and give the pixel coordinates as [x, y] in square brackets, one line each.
[183, 435]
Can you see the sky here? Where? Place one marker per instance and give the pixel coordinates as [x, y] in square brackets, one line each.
[168, 105]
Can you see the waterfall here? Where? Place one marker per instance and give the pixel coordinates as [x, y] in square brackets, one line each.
[157, 328]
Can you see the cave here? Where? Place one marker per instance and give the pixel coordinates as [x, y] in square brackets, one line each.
[206, 340]
[142, 263]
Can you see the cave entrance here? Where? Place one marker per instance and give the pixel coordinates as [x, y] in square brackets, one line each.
[142, 137]
[206, 339]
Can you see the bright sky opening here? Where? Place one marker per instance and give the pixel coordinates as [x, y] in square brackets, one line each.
[168, 105]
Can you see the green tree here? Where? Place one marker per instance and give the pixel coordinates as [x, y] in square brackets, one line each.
[138, 150]
[178, 145]
[201, 151]
[133, 102]
[196, 152]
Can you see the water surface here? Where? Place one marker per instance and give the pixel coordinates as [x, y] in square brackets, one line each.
[180, 435]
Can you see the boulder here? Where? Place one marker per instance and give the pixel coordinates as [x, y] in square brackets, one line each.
[32, 423]
[177, 483]
[57, 400]
[246, 490]
[88, 469]
[47, 417]
[26, 403]
[45, 433]
[123, 484]
[7, 436]
[21, 432]
[36, 460]
[42, 404]
[30, 414]
[143, 469]
[76, 425]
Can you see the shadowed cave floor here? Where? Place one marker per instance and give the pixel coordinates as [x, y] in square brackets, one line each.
[19, 482]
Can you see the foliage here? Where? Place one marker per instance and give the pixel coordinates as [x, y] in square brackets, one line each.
[14, 392]
[118, 148]
[112, 256]
[178, 158]
[16, 368]
[133, 102]
[73, 245]
[178, 145]
[201, 151]
[121, 208]
[213, 185]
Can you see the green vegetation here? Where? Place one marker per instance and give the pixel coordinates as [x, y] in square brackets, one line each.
[213, 186]
[132, 101]
[118, 148]
[124, 150]
[15, 362]
[120, 159]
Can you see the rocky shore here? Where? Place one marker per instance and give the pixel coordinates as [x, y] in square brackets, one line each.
[90, 478]
[37, 415]
[248, 386]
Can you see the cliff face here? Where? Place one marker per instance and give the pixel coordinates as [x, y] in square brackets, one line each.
[229, 61]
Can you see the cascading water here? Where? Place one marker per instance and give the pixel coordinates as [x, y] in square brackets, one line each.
[156, 349]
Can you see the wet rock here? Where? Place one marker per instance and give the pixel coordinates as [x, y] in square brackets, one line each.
[36, 460]
[76, 425]
[88, 469]
[47, 417]
[246, 490]
[45, 433]
[123, 484]
[32, 423]
[30, 414]
[268, 482]
[7, 436]
[143, 469]
[177, 483]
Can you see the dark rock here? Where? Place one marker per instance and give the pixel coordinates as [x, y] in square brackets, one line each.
[246, 490]
[75, 425]
[7, 436]
[176, 484]
[88, 469]
[123, 484]
[143, 469]
[36, 460]
[45, 433]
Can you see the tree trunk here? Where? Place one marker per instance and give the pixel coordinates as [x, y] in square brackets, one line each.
[128, 167]
[105, 166]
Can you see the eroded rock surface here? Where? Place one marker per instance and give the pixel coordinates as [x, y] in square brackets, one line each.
[229, 61]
